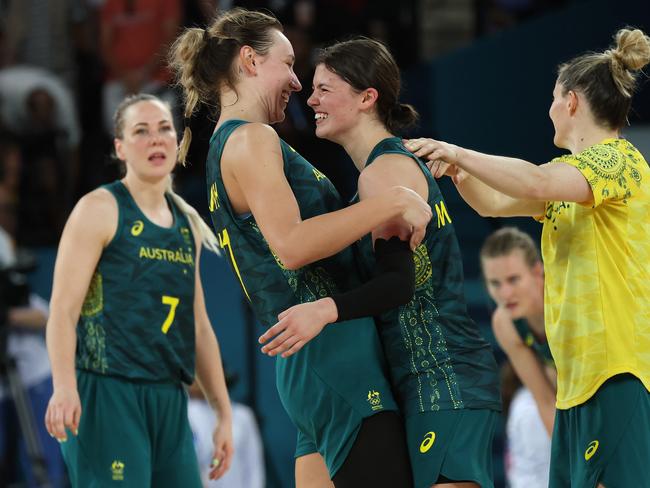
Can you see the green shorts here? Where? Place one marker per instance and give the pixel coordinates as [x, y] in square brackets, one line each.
[605, 440]
[329, 387]
[131, 435]
[455, 444]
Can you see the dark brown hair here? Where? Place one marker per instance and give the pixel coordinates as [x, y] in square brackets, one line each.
[365, 63]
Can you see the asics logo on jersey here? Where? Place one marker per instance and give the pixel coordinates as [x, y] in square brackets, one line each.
[591, 450]
[117, 469]
[137, 228]
[428, 441]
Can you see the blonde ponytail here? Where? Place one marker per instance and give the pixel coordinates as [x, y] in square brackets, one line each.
[199, 227]
[632, 53]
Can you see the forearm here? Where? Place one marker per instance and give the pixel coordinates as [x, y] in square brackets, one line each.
[61, 336]
[392, 285]
[325, 235]
[210, 374]
[27, 317]
[485, 200]
[513, 177]
[534, 378]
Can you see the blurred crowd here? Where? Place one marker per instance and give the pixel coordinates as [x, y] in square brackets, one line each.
[65, 64]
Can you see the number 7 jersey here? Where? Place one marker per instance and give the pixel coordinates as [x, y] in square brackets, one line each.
[137, 320]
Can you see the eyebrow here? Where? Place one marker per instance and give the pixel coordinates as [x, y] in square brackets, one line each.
[164, 121]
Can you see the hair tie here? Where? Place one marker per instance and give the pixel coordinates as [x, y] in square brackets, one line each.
[186, 121]
[206, 35]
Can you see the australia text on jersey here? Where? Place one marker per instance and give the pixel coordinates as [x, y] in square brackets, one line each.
[177, 256]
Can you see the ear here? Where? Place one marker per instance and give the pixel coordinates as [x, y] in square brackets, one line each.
[572, 102]
[247, 58]
[538, 270]
[119, 150]
[369, 98]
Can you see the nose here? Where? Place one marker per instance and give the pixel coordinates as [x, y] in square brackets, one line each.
[312, 101]
[295, 83]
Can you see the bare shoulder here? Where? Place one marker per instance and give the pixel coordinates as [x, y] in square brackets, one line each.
[391, 170]
[96, 213]
[250, 140]
[504, 327]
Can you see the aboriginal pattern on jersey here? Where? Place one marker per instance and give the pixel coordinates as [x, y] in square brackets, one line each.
[437, 357]
[137, 320]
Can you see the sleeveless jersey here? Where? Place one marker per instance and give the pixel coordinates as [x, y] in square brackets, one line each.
[269, 286]
[137, 320]
[541, 349]
[324, 400]
[437, 357]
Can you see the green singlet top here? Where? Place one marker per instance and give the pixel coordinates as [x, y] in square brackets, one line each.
[437, 357]
[137, 321]
[267, 283]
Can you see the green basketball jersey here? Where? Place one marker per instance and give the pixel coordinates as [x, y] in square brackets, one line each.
[540, 348]
[339, 377]
[137, 320]
[269, 286]
[437, 357]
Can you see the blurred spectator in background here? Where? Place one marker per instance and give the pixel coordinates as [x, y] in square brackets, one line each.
[134, 38]
[43, 33]
[40, 111]
[247, 468]
[25, 344]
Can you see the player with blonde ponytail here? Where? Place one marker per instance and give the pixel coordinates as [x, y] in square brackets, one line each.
[128, 325]
[594, 204]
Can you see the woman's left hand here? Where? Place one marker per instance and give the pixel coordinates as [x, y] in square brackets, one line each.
[298, 325]
[442, 153]
[223, 448]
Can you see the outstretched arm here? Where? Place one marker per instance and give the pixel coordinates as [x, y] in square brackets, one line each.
[515, 178]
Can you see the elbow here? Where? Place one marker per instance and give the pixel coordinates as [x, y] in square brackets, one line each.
[290, 260]
[485, 212]
[489, 212]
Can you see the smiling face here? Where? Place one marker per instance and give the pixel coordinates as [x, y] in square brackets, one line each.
[276, 76]
[335, 103]
[147, 143]
[512, 283]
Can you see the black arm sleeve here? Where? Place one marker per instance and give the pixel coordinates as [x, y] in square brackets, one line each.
[393, 284]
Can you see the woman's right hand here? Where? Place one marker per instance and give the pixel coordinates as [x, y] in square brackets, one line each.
[63, 411]
[416, 213]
